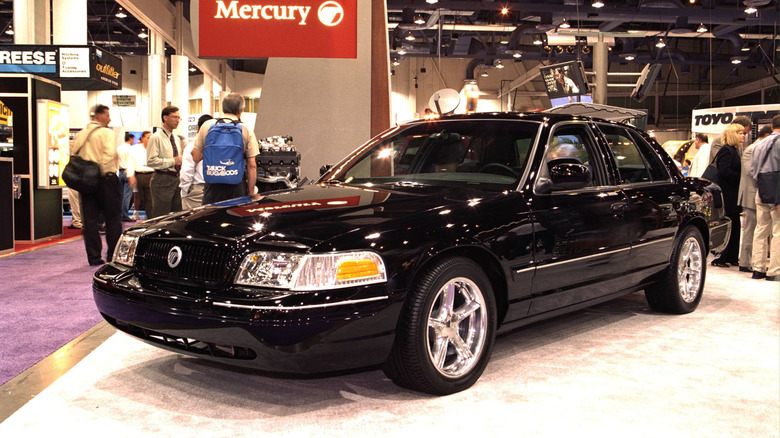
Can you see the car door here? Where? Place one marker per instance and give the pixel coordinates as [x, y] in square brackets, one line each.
[653, 198]
[581, 238]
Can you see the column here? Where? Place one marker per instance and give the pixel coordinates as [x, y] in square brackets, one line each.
[157, 77]
[180, 90]
[31, 20]
[208, 95]
[600, 67]
[69, 26]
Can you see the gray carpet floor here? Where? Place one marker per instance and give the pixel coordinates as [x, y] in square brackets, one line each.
[614, 370]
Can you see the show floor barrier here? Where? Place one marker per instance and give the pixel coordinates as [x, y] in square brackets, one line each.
[616, 369]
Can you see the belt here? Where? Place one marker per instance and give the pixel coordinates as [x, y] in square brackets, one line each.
[168, 172]
[145, 173]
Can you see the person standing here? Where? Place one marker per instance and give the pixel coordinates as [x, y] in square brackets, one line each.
[143, 176]
[125, 173]
[746, 124]
[164, 156]
[764, 163]
[701, 157]
[232, 107]
[191, 175]
[747, 200]
[74, 200]
[729, 169]
[97, 143]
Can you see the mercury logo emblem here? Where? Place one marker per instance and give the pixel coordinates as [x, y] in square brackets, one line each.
[330, 13]
[174, 257]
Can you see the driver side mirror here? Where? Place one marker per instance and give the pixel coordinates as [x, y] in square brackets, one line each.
[565, 174]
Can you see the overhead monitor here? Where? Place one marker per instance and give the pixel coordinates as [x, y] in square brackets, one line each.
[565, 80]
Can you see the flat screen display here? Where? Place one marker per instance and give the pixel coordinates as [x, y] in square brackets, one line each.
[566, 79]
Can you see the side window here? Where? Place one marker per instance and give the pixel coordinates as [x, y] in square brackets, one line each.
[658, 170]
[570, 144]
[635, 161]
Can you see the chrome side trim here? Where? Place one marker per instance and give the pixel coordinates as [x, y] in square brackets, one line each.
[652, 242]
[530, 268]
[601, 254]
[312, 306]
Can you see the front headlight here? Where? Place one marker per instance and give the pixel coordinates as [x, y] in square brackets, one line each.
[310, 272]
[124, 252]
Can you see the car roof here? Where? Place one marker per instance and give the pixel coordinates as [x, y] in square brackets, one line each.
[531, 116]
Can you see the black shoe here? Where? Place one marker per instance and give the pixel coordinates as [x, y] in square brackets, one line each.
[772, 278]
[719, 263]
[744, 269]
[71, 227]
[97, 262]
[127, 219]
[758, 275]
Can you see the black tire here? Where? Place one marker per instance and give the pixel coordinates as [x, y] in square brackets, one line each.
[680, 289]
[416, 361]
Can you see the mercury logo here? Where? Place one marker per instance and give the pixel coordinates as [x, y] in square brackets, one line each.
[174, 257]
[330, 13]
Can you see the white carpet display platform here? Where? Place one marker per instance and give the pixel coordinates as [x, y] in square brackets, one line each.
[617, 369]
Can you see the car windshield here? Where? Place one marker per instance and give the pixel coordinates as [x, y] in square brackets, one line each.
[491, 154]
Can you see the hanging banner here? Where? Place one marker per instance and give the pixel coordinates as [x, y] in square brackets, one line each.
[715, 120]
[279, 28]
[74, 67]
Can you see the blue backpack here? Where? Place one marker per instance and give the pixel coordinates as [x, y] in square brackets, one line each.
[223, 154]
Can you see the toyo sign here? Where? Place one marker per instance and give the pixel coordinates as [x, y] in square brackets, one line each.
[715, 120]
[277, 28]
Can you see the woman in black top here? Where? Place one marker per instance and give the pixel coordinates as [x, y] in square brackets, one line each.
[729, 168]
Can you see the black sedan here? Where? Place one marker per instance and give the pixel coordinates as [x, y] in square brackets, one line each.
[418, 247]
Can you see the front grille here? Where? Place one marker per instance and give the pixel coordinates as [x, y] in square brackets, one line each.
[199, 262]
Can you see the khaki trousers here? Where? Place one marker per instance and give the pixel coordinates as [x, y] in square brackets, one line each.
[767, 224]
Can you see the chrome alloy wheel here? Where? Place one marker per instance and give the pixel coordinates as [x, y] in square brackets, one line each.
[457, 326]
[689, 270]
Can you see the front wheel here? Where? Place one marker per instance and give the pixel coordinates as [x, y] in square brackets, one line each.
[680, 289]
[446, 331]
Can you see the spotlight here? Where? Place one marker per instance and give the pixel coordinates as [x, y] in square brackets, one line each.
[504, 11]
[121, 13]
[597, 4]
[660, 44]
[702, 28]
[565, 24]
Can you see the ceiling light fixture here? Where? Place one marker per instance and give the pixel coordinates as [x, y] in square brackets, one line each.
[565, 24]
[10, 30]
[143, 34]
[409, 36]
[702, 28]
[121, 13]
[660, 44]
[504, 10]
[597, 4]
[517, 54]
[484, 73]
[419, 20]
[401, 51]
[735, 60]
[751, 10]
[431, 1]
[498, 64]
[745, 48]
[538, 41]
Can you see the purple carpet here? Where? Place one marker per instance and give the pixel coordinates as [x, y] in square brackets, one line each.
[45, 302]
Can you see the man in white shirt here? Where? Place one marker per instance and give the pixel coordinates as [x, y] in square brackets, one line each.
[702, 158]
[125, 173]
[143, 175]
[191, 175]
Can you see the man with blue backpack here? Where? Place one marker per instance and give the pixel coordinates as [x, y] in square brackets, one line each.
[228, 149]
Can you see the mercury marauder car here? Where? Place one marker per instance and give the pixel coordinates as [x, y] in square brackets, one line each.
[418, 247]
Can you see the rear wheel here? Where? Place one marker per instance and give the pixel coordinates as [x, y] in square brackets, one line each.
[446, 331]
[680, 289]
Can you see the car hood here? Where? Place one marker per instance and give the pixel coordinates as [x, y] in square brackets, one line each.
[312, 214]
